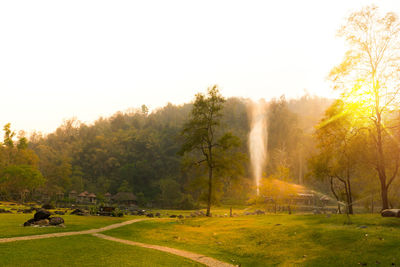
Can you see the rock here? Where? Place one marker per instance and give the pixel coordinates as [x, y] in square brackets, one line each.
[47, 206]
[29, 222]
[391, 213]
[141, 212]
[5, 211]
[59, 212]
[260, 212]
[41, 215]
[180, 216]
[43, 222]
[172, 216]
[28, 210]
[158, 215]
[150, 215]
[56, 220]
[78, 212]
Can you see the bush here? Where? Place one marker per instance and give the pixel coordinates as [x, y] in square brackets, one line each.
[93, 210]
[117, 213]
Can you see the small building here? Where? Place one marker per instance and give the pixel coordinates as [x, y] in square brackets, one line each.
[107, 197]
[83, 197]
[304, 198]
[92, 198]
[86, 198]
[124, 198]
[72, 195]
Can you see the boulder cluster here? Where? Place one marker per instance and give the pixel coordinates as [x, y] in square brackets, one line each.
[256, 212]
[42, 218]
[139, 212]
[79, 212]
[5, 211]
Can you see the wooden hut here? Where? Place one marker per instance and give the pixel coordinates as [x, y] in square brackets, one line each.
[92, 198]
[124, 198]
[72, 195]
[107, 197]
[83, 197]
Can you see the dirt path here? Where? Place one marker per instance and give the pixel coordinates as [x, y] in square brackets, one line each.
[186, 254]
[95, 232]
[84, 232]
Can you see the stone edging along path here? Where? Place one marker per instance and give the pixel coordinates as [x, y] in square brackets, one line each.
[95, 232]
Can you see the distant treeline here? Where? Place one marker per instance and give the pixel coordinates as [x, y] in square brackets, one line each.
[137, 151]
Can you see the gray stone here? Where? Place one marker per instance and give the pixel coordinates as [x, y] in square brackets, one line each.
[56, 220]
[43, 222]
[41, 215]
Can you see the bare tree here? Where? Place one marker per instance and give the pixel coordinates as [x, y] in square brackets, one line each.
[369, 79]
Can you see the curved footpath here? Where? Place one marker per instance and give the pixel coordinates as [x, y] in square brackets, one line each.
[95, 232]
[186, 254]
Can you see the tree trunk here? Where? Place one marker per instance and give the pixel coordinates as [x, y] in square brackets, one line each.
[350, 197]
[210, 171]
[379, 146]
[384, 195]
[372, 204]
[336, 196]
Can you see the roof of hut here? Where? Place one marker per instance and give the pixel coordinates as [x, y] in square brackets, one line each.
[107, 194]
[83, 194]
[124, 196]
[73, 192]
[91, 195]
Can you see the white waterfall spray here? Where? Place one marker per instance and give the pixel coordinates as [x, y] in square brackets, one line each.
[258, 140]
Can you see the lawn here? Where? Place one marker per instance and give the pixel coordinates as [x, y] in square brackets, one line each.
[12, 224]
[84, 250]
[285, 240]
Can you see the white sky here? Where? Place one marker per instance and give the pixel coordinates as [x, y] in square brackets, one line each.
[60, 59]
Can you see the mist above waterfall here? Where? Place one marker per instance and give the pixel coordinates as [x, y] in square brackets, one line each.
[258, 140]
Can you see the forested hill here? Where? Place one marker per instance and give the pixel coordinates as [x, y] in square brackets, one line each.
[137, 151]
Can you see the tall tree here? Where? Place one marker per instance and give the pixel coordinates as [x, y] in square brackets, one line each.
[203, 138]
[339, 149]
[369, 79]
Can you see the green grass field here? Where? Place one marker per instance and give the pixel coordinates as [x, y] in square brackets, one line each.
[11, 225]
[284, 240]
[270, 240]
[83, 251]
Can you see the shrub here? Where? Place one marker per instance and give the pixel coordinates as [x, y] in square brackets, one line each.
[117, 213]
